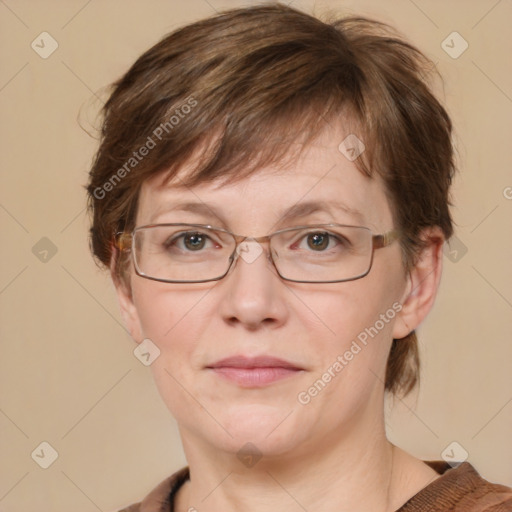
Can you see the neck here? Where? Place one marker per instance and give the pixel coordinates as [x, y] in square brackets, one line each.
[342, 473]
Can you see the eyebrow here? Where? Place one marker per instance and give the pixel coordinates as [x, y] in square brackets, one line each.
[309, 207]
[296, 211]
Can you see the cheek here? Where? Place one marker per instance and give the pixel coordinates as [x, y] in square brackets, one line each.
[351, 327]
[173, 319]
[352, 344]
[163, 309]
[346, 311]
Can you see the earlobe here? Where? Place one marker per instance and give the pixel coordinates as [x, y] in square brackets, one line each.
[128, 311]
[126, 304]
[422, 284]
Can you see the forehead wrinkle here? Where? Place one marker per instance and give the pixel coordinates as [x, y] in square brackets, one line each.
[200, 208]
[294, 212]
[309, 207]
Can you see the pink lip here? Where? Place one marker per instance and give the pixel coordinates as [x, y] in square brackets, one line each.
[254, 371]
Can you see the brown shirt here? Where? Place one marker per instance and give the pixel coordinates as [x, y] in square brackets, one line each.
[459, 489]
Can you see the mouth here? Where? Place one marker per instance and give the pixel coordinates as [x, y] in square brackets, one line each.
[254, 372]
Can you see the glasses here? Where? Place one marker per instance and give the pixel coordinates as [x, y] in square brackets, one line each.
[196, 253]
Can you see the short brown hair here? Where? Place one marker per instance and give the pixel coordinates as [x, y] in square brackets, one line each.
[250, 83]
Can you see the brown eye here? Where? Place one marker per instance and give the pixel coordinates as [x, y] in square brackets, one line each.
[318, 241]
[194, 241]
[189, 241]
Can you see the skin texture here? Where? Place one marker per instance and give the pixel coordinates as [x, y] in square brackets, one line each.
[332, 453]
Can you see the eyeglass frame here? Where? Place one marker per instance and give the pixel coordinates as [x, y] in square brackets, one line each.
[124, 241]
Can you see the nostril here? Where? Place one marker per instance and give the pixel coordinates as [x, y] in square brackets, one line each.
[233, 320]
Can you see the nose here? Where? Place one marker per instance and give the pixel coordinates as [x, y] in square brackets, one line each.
[255, 295]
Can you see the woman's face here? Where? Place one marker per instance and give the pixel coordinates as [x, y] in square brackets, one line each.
[338, 333]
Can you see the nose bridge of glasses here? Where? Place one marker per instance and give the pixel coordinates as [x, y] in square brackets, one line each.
[250, 248]
[243, 238]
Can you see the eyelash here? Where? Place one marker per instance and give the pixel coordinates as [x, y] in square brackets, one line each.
[181, 236]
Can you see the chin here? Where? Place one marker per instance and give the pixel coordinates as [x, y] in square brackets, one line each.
[270, 429]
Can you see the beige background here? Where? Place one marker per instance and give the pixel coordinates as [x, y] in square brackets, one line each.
[68, 374]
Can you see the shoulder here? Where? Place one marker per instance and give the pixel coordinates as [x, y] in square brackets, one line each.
[161, 498]
[460, 489]
[135, 507]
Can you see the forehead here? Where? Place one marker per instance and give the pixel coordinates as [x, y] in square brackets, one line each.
[322, 184]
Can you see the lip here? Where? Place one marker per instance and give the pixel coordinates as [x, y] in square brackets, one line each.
[254, 371]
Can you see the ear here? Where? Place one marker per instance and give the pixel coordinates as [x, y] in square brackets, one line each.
[422, 284]
[125, 298]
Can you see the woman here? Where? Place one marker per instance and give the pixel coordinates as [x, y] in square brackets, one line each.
[271, 196]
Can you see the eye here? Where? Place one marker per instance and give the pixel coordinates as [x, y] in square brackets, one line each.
[192, 241]
[319, 241]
